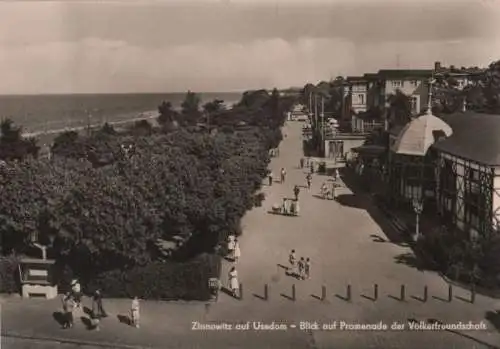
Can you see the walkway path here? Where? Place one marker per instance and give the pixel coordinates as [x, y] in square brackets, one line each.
[340, 241]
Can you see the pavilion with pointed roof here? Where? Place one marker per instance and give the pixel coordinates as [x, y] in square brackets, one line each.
[452, 164]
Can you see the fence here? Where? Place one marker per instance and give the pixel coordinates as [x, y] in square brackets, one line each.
[363, 126]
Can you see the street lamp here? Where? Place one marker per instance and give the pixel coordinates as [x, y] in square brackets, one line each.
[418, 207]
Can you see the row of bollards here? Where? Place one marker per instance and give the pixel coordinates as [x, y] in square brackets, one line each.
[348, 295]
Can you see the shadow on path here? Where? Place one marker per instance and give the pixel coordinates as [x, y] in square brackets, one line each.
[413, 261]
[363, 201]
[494, 318]
[59, 317]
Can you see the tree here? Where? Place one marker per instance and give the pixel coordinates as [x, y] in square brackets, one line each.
[142, 127]
[167, 114]
[108, 129]
[491, 86]
[400, 110]
[190, 109]
[108, 211]
[212, 108]
[68, 144]
[12, 144]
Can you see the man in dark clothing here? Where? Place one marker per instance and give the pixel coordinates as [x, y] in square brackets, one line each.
[309, 179]
[296, 191]
[97, 308]
[301, 162]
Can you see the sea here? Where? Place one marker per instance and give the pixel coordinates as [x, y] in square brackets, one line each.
[49, 113]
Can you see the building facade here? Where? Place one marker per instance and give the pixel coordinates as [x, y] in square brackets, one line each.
[459, 176]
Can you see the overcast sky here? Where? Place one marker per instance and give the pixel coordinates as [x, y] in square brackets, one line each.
[225, 45]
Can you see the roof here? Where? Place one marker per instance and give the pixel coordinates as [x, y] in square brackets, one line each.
[420, 134]
[371, 76]
[405, 73]
[37, 261]
[370, 149]
[475, 137]
[356, 79]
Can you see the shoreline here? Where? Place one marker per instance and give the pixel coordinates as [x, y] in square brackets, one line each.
[148, 115]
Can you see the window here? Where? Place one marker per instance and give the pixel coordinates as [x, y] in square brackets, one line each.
[361, 99]
[397, 83]
[414, 104]
[414, 83]
[475, 203]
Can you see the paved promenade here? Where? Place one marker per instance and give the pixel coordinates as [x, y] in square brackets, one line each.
[342, 241]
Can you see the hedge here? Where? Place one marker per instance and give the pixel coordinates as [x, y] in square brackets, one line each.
[161, 281]
[9, 275]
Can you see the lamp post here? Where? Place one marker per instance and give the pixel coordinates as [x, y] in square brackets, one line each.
[418, 207]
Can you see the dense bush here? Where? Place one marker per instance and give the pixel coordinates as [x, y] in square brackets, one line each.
[9, 275]
[462, 259]
[105, 207]
[165, 281]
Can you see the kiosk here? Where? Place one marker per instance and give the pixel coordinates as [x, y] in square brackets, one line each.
[37, 278]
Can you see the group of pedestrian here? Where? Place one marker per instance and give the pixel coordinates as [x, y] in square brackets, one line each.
[299, 268]
[72, 301]
[328, 192]
[233, 248]
[305, 162]
[234, 251]
[290, 207]
[274, 152]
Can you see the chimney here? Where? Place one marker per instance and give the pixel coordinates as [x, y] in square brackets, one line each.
[437, 66]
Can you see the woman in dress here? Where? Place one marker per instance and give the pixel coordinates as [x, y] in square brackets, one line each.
[233, 281]
[135, 312]
[237, 251]
[230, 245]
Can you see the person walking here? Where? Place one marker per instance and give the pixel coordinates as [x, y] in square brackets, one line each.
[302, 264]
[230, 245]
[283, 175]
[309, 180]
[270, 178]
[296, 192]
[312, 167]
[292, 258]
[76, 293]
[234, 285]
[334, 191]
[301, 162]
[336, 175]
[68, 307]
[324, 190]
[307, 268]
[237, 251]
[284, 207]
[135, 312]
[97, 307]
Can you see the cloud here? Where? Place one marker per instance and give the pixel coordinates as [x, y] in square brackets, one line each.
[96, 65]
[117, 47]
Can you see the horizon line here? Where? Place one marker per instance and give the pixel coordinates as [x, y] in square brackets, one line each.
[115, 93]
